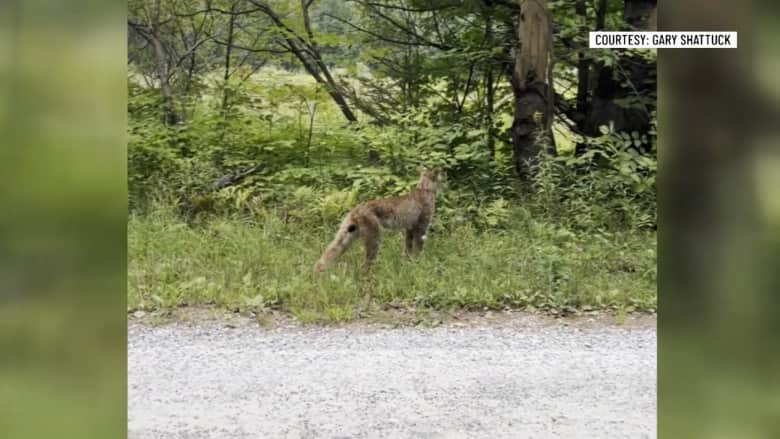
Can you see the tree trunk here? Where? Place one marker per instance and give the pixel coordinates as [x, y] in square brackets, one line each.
[530, 132]
[638, 13]
[601, 15]
[583, 65]
[490, 103]
[490, 91]
[333, 87]
[169, 114]
[188, 85]
[228, 53]
[528, 128]
[334, 90]
[153, 36]
[634, 76]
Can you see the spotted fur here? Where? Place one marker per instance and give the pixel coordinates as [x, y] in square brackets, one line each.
[412, 213]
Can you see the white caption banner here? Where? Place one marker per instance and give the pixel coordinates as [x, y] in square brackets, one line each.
[663, 40]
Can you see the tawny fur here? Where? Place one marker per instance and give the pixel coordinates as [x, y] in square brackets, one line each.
[412, 212]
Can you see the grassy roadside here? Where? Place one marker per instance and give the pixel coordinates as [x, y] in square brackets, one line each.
[248, 265]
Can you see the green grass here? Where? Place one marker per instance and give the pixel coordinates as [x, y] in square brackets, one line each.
[245, 264]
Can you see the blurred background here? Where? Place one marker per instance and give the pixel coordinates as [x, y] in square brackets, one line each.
[719, 225]
[63, 222]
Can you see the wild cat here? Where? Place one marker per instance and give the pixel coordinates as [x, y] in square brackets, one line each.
[412, 212]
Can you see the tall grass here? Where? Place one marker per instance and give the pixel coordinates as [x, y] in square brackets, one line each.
[261, 262]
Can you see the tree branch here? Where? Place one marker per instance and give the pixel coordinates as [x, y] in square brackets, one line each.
[387, 39]
[218, 10]
[401, 27]
[408, 9]
[252, 49]
[236, 177]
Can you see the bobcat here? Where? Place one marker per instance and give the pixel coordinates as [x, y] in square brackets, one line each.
[412, 212]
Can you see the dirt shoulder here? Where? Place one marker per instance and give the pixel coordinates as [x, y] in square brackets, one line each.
[398, 317]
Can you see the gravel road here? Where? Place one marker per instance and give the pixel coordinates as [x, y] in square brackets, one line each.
[212, 381]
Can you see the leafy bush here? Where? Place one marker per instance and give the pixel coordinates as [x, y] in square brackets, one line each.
[612, 184]
[314, 180]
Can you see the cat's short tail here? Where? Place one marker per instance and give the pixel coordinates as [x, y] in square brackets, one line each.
[348, 231]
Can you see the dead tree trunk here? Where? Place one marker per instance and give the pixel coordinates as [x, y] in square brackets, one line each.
[530, 128]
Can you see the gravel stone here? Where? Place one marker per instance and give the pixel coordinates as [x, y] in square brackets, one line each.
[211, 381]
